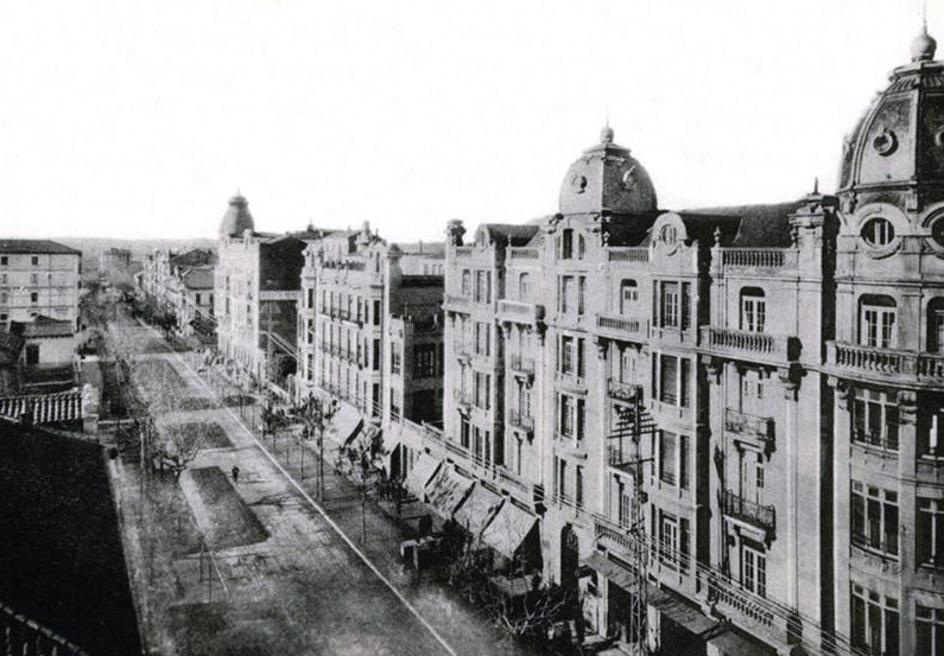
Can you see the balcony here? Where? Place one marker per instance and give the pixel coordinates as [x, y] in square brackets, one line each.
[617, 389]
[749, 346]
[456, 301]
[521, 421]
[521, 366]
[528, 314]
[885, 364]
[753, 613]
[756, 514]
[624, 328]
[748, 425]
[879, 440]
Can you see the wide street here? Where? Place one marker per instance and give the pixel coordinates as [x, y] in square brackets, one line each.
[282, 575]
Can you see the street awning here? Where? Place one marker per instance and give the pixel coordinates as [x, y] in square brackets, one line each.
[447, 490]
[345, 424]
[422, 473]
[508, 530]
[679, 611]
[733, 643]
[477, 509]
[611, 571]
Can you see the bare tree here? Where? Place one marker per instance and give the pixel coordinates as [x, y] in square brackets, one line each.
[315, 414]
[363, 459]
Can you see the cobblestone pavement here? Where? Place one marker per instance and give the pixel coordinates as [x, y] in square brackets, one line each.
[310, 587]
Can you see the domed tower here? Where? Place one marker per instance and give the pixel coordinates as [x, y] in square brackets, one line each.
[237, 218]
[606, 179]
[895, 154]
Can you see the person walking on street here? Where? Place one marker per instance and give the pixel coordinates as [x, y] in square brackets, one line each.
[235, 472]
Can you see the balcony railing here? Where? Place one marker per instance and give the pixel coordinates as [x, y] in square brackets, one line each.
[518, 312]
[622, 327]
[743, 423]
[628, 255]
[733, 600]
[521, 421]
[758, 258]
[758, 514]
[883, 362]
[746, 345]
[522, 365]
[457, 300]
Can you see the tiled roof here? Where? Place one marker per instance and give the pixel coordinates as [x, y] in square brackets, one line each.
[511, 234]
[10, 346]
[36, 246]
[45, 408]
[760, 226]
[198, 278]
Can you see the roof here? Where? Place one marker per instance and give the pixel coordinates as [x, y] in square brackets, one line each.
[509, 528]
[194, 257]
[477, 509]
[765, 225]
[10, 347]
[510, 234]
[44, 246]
[42, 326]
[431, 249]
[44, 408]
[198, 278]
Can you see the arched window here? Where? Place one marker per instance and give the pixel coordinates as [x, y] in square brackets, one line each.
[466, 282]
[524, 286]
[877, 318]
[629, 295]
[581, 247]
[936, 325]
[753, 309]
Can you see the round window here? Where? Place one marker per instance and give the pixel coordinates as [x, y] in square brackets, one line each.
[878, 232]
[669, 234]
[937, 232]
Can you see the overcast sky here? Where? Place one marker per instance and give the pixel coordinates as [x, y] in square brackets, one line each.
[139, 119]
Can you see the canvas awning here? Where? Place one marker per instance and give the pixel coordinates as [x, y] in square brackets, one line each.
[422, 473]
[611, 571]
[508, 530]
[345, 425]
[447, 490]
[477, 509]
[732, 643]
[672, 605]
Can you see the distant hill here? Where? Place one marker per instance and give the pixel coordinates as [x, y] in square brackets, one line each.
[92, 247]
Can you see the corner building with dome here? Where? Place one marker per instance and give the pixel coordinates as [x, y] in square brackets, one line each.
[730, 419]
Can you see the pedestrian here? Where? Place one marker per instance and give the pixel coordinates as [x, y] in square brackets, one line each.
[235, 472]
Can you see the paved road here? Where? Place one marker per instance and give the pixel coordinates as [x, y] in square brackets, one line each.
[306, 589]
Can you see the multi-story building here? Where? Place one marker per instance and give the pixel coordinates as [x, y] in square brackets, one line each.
[40, 282]
[742, 405]
[256, 292]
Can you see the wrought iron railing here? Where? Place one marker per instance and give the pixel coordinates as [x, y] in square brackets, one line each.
[761, 515]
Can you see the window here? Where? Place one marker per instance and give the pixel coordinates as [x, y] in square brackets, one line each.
[668, 457]
[673, 305]
[483, 390]
[578, 486]
[624, 507]
[668, 234]
[567, 244]
[565, 301]
[394, 405]
[4, 299]
[570, 356]
[929, 625]
[874, 622]
[426, 362]
[754, 570]
[571, 416]
[34, 260]
[629, 295]
[376, 355]
[673, 380]
[581, 294]
[466, 282]
[929, 532]
[753, 310]
[875, 518]
[483, 287]
[931, 432]
[4, 260]
[877, 322]
[34, 279]
[673, 540]
[524, 284]
[482, 338]
[465, 430]
[875, 419]
[395, 358]
[936, 323]
[878, 232]
[34, 298]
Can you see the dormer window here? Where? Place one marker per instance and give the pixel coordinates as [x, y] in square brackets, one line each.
[878, 232]
[668, 234]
